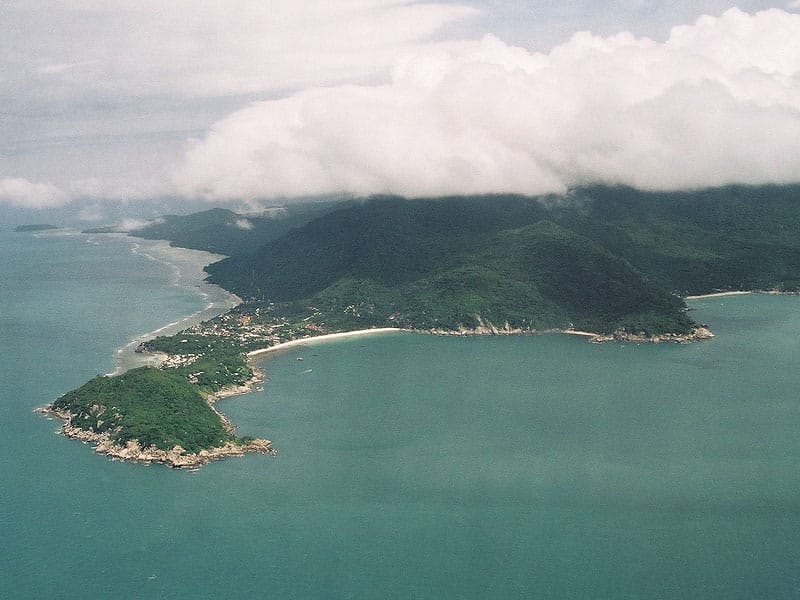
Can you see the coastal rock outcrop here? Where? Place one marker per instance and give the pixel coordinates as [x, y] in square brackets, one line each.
[175, 457]
[695, 335]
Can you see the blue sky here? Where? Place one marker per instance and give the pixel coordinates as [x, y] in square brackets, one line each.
[541, 25]
[237, 102]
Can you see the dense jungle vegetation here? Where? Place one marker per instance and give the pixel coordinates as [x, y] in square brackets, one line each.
[152, 406]
[599, 258]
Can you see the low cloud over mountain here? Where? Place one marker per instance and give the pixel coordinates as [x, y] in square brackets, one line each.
[241, 102]
[717, 102]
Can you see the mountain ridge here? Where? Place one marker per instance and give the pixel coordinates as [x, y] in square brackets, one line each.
[598, 258]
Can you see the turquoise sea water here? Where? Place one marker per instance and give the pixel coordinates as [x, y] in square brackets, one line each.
[410, 466]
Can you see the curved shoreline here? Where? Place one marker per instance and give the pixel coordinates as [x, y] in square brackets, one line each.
[698, 333]
[177, 457]
[187, 266]
[324, 337]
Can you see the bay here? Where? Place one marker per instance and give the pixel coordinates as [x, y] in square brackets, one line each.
[409, 466]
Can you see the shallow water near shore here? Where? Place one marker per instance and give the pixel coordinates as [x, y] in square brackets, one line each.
[409, 466]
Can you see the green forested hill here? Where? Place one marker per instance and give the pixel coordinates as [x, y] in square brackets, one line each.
[735, 237]
[452, 262]
[599, 258]
[151, 406]
[225, 232]
[386, 240]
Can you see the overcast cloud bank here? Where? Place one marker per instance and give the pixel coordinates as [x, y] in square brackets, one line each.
[99, 96]
[716, 103]
[134, 100]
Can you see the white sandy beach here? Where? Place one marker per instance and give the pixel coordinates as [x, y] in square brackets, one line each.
[320, 338]
[577, 332]
[717, 295]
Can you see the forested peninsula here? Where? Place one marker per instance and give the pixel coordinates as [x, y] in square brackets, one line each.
[610, 261]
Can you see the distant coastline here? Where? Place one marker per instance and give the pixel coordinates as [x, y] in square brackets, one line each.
[35, 228]
[188, 267]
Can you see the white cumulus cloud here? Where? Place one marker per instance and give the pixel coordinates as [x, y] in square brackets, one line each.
[27, 194]
[717, 102]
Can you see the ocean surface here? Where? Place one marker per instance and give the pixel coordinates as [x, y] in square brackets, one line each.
[409, 466]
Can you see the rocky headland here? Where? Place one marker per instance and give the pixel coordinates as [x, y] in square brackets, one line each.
[175, 457]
